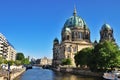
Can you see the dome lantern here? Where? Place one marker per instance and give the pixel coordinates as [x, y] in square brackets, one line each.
[75, 12]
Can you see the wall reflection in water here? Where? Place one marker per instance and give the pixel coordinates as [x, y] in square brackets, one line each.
[67, 76]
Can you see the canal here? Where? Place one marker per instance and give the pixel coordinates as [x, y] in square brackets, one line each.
[38, 73]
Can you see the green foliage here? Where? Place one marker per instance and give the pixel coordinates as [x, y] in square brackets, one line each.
[104, 55]
[25, 61]
[18, 62]
[66, 61]
[11, 62]
[81, 58]
[21, 59]
[1, 60]
[20, 56]
[5, 61]
[107, 55]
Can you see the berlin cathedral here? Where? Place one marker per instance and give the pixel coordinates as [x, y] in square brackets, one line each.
[75, 36]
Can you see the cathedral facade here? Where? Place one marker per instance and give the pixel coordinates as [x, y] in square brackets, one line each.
[75, 36]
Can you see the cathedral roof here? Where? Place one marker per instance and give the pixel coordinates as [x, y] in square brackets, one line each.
[106, 26]
[75, 21]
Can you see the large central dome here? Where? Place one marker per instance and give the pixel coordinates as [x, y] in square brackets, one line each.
[75, 21]
[75, 29]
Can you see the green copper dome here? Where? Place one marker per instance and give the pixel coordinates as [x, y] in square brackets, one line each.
[75, 21]
[106, 26]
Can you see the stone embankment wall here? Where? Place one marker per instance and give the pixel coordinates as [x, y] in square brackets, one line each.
[16, 74]
[79, 71]
[13, 74]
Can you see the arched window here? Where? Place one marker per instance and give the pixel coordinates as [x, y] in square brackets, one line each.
[68, 37]
[87, 35]
[68, 49]
[74, 49]
[72, 35]
[106, 35]
[68, 56]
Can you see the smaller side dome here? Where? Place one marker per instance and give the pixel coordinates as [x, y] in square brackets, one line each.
[56, 40]
[106, 26]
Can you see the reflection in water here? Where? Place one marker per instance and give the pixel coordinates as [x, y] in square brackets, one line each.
[43, 74]
[67, 76]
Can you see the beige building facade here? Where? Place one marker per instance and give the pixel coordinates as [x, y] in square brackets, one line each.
[44, 61]
[7, 51]
[11, 53]
[3, 46]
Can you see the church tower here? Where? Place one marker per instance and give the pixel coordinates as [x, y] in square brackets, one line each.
[106, 33]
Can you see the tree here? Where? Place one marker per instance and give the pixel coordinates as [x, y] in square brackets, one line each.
[5, 61]
[11, 62]
[82, 57]
[66, 61]
[20, 56]
[107, 55]
[18, 62]
[1, 60]
[104, 55]
[25, 61]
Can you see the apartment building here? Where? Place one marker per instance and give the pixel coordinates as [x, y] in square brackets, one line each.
[7, 51]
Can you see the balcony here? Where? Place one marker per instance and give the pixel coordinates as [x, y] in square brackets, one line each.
[5, 54]
[1, 48]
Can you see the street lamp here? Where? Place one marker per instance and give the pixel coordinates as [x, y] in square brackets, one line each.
[8, 71]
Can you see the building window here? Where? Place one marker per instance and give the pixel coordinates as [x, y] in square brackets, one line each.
[68, 37]
[72, 35]
[80, 35]
[68, 56]
[68, 49]
[74, 49]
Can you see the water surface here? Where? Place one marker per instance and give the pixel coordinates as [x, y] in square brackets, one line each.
[38, 73]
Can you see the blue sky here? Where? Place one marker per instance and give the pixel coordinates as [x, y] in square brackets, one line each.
[31, 25]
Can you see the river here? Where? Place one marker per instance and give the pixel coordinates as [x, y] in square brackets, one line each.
[38, 73]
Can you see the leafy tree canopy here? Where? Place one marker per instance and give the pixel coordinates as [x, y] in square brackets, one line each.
[1, 60]
[18, 62]
[104, 55]
[25, 61]
[66, 61]
[107, 55]
[20, 56]
[81, 58]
